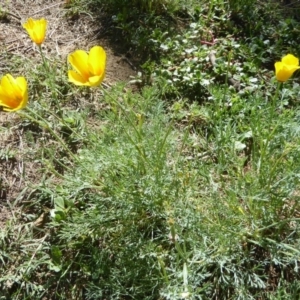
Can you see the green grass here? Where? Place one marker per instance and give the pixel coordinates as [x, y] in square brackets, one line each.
[188, 189]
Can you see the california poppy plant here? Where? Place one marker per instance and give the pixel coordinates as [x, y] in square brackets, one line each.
[89, 67]
[36, 30]
[285, 68]
[13, 93]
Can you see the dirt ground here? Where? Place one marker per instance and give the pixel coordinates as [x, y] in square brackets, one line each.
[67, 31]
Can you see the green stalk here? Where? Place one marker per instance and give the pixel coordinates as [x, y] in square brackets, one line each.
[43, 123]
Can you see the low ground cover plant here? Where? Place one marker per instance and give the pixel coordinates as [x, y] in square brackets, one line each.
[185, 189]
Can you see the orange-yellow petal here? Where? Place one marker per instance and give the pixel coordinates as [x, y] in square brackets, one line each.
[290, 60]
[10, 87]
[13, 93]
[89, 69]
[97, 61]
[79, 61]
[284, 72]
[6, 90]
[36, 29]
[22, 83]
[77, 79]
[95, 80]
[41, 31]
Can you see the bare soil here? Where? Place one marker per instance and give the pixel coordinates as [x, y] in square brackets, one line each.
[67, 31]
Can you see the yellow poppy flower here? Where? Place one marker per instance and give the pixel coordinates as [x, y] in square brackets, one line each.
[285, 68]
[89, 68]
[13, 93]
[36, 30]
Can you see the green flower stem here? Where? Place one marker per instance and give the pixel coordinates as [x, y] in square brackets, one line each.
[272, 112]
[278, 224]
[44, 59]
[51, 75]
[138, 132]
[272, 129]
[274, 100]
[46, 66]
[64, 123]
[43, 123]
